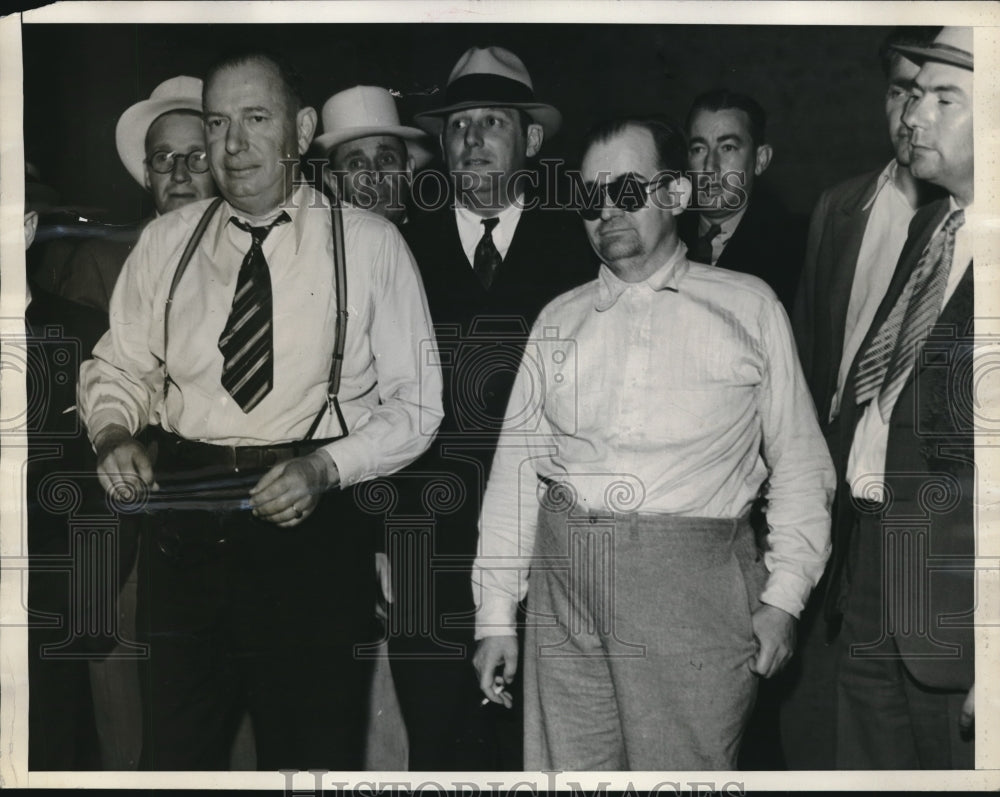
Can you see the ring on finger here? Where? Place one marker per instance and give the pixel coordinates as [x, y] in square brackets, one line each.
[297, 511]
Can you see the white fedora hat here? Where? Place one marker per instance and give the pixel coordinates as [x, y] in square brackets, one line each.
[490, 77]
[368, 111]
[181, 93]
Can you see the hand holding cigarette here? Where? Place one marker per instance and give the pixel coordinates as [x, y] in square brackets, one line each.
[496, 663]
[500, 690]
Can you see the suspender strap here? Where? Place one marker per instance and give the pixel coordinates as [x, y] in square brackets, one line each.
[192, 244]
[340, 281]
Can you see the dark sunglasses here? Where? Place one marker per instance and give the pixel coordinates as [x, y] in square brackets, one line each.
[627, 193]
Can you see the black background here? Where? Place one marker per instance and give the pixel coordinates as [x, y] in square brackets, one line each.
[822, 86]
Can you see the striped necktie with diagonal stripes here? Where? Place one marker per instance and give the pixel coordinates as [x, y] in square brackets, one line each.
[887, 364]
[246, 342]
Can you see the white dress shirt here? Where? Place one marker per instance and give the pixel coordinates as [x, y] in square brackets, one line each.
[470, 228]
[885, 234]
[678, 395]
[866, 461]
[390, 394]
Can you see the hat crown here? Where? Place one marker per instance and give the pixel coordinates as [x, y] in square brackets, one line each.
[361, 106]
[958, 37]
[491, 61]
[180, 87]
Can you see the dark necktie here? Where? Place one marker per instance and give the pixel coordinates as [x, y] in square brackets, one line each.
[246, 340]
[701, 252]
[487, 258]
[887, 364]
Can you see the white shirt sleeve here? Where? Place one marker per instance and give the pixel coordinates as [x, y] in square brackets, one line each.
[409, 411]
[510, 506]
[802, 478]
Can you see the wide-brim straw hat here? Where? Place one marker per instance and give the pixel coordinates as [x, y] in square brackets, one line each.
[490, 77]
[181, 93]
[365, 111]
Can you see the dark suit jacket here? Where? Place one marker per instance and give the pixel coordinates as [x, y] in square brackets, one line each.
[482, 333]
[769, 243]
[93, 269]
[836, 230]
[930, 476]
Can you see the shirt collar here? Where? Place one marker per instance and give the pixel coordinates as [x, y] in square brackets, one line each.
[471, 228]
[666, 278]
[887, 177]
[302, 200]
[726, 227]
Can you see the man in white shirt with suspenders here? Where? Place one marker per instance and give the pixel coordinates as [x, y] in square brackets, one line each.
[260, 388]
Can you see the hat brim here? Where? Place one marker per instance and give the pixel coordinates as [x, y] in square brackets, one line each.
[130, 133]
[415, 139]
[942, 53]
[548, 117]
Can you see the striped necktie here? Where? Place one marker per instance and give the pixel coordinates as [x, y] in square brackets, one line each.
[246, 342]
[487, 258]
[889, 361]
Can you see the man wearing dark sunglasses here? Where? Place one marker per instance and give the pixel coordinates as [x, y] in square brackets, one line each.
[653, 403]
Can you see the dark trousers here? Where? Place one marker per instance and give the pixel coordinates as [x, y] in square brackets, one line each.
[886, 719]
[430, 647]
[431, 542]
[243, 615]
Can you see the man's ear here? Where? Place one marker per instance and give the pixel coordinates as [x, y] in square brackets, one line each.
[30, 227]
[536, 134]
[763, 159]
[679, 191]
[146, 181]
[411, 164]
[305, 127]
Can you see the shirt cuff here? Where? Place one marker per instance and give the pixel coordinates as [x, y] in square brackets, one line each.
[101, 419]
[496, 617]
[347, 455]
[787, 591]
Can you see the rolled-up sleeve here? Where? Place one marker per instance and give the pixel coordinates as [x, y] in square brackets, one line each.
[802, 479]
[509, 518]
[123, 381]
[409, 410]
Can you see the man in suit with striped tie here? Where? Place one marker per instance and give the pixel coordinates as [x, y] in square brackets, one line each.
[267, 347]
[902, 582]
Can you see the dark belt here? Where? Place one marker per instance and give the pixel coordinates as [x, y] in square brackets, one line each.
[203, 476]
[173, 449]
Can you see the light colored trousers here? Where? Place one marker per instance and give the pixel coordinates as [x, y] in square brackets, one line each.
[638, 640]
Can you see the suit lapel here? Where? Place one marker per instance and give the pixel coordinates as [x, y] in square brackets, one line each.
[847, 233]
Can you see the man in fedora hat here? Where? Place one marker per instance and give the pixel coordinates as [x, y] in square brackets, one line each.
[902, 578]
[371, 156]
[270, 374]
[489, 261]
[161, 143]
[857, 231]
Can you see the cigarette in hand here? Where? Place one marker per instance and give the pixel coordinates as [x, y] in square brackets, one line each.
[497, 689]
